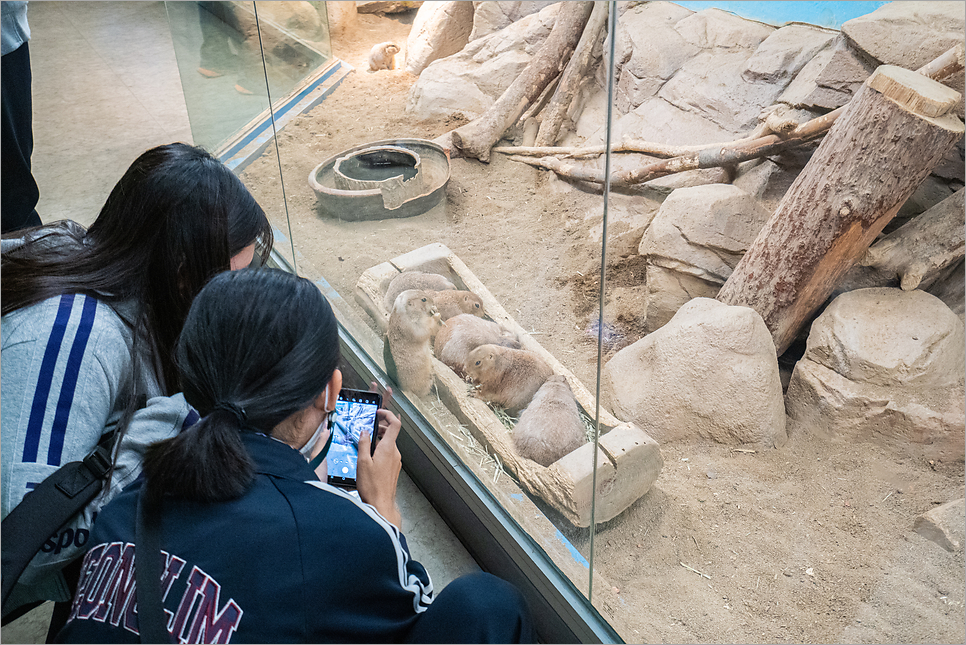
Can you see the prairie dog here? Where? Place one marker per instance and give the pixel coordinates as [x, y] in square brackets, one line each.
[453, 303]
[550, 427]
[463, 333]
[415, 280]
[507, 377]
[412, 323]
[382, 56]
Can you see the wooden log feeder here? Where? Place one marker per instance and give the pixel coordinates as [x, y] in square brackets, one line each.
[628, 460]
[892, 134]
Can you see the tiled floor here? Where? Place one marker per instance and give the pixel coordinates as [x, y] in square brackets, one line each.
[106, 88]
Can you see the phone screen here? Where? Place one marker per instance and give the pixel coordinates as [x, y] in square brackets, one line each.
[355, 411]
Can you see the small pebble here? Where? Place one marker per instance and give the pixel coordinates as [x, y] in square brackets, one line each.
[712, 474]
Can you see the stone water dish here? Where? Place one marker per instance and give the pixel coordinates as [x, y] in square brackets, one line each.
[382, 179]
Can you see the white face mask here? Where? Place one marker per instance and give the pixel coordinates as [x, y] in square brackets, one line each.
[306, 450]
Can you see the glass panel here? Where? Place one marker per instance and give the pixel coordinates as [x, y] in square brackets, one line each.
[763, 527]
[219, 54]
[525, 243]
[220, 48]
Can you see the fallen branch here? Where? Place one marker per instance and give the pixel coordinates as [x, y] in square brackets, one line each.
[703, 575]
[570, 80]
[705, 158]
[715, 155]
[475, 139]
[919, 251]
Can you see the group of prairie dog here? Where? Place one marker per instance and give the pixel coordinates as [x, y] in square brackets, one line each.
[428, 315]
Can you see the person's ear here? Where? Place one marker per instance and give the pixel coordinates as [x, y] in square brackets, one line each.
[332, 390]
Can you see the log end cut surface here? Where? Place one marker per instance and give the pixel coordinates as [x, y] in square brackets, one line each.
[914, 92]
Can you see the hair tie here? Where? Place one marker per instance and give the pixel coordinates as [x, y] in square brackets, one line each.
[237, 411]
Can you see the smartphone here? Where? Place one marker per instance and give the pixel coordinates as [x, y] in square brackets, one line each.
[355, 411]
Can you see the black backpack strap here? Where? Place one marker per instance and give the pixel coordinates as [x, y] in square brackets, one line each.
[148, 566]
[43, 511]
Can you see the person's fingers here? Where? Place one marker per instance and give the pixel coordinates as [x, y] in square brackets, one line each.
[365, 442]
[389, 425]
[386, 395]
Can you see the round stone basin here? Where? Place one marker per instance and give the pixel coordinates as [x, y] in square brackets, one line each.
[372, 167]
[381, 179]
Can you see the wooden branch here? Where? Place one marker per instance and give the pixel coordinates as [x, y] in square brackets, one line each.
[919, 251]
[872, 160]
[705, 158]
[716, 154]
[477, 137]
[555, 112]
[952, 61]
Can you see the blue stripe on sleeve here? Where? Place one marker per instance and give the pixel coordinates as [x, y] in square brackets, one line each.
[38, 408]
[191, 419]
[74, 359]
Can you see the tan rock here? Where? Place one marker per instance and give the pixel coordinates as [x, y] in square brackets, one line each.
[884, 365]
[711, 372]
[440, 29]
[944, 525]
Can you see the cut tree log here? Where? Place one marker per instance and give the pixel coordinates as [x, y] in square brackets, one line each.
[870, 162]
[476, 138]
[570, 80]
[919, 252]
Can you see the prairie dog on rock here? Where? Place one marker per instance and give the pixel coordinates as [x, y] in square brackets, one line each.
[415, 280]
[463, 333]
[412, 323]
[453, 303]
[550, 427]
[382, 56]
[507, 377]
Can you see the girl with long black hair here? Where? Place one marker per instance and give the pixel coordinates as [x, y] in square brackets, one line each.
[90, 320]
[251, 545]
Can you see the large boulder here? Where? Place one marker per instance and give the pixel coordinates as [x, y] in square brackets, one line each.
[717, 29]
[693, 244]
[490, 17]
[470, 81]
[785, 52]
[655, 120]
[711, 85]
[440, 29]
[710, 373]
[386, 6]
[648, 51]
[887, 365]
[828, 80]
[908, 34]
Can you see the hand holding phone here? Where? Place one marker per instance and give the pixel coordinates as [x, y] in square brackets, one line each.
[379, 472]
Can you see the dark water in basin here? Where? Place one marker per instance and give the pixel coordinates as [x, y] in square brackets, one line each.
[379, 165]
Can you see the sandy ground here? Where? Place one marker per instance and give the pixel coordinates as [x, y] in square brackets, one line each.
[809, 543]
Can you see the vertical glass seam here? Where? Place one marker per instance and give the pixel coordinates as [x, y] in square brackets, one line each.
[278, 155]
[612, 38]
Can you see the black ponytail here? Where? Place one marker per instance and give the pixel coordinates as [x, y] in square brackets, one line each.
[258, 345]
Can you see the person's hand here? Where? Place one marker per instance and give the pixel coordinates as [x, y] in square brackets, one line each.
[378, 474]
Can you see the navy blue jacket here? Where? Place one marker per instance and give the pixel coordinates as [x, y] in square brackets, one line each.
[293, 560]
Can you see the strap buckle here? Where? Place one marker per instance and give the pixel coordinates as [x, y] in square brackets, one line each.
[99, 462]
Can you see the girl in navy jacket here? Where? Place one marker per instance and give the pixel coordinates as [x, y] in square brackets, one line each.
[253, 546]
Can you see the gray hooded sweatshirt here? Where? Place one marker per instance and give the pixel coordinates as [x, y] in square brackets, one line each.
[64, 365]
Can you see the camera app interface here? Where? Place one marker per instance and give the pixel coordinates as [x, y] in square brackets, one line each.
[352, 416]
